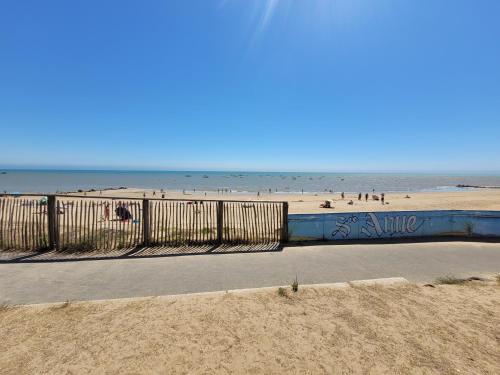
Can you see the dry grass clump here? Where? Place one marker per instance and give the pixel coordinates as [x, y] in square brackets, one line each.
[78, 247]
[282, 292]
[450, 280]
[295, 285]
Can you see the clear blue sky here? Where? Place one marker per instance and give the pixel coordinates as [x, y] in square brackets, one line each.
[251, 85]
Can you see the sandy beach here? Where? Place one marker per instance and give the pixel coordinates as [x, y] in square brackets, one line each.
[408, 328]
[477, 199]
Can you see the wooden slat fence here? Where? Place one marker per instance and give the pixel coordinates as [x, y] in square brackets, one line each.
[252, 222]
[81, 224]
[183, 222]
[98, 224]
[23, 224]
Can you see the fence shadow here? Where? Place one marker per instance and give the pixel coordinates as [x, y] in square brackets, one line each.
[136, 253]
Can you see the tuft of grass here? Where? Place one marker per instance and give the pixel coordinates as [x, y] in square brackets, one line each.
[79, 247]
[295, 285]
[4, 307]
[450, 280]
[282, 292]
[206, 231]
[497, 278]
[43, 243]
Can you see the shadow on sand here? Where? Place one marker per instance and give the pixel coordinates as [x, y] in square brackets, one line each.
[134, 253]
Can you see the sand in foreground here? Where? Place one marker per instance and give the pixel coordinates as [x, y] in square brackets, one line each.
[399, 329]
[479, 199]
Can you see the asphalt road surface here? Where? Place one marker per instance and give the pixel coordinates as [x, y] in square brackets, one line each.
[116, 278]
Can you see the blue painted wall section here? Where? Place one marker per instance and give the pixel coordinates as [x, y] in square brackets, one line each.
[397, 224]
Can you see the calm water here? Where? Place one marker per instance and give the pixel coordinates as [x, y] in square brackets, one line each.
[52, 181]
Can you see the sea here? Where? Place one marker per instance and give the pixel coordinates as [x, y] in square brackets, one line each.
[52, 181]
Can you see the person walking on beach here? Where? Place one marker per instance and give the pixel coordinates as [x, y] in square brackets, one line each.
[366, 197]
[342, 195]
[106, 212]
[382, 198]
[359, 196]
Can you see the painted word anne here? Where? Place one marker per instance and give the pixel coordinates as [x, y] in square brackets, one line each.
[389, 225]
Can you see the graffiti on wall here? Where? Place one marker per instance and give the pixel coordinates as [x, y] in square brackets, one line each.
[393, 224]
[370, 226]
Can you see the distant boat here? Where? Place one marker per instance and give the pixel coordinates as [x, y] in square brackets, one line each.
[188, 175]
[205, 176]
[3, 173]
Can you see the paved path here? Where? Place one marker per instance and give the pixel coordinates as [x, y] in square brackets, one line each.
[101, 279]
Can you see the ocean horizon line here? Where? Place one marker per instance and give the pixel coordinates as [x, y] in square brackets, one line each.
[354, 172]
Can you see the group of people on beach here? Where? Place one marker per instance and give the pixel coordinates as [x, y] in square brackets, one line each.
[121, 211]
[163, 194]
[222, 191]
[329, 203]
[154, 194]
[374, 197]
[366, 196]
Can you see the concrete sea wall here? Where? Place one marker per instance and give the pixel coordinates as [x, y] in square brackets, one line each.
[396, 224]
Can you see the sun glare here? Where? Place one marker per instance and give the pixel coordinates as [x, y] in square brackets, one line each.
[313, 15]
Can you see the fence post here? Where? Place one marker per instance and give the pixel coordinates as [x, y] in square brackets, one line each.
[146, 228]
[220, 221]
[52, 222]
[284, 226]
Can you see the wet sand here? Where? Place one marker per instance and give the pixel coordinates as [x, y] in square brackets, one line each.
[477, 199]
